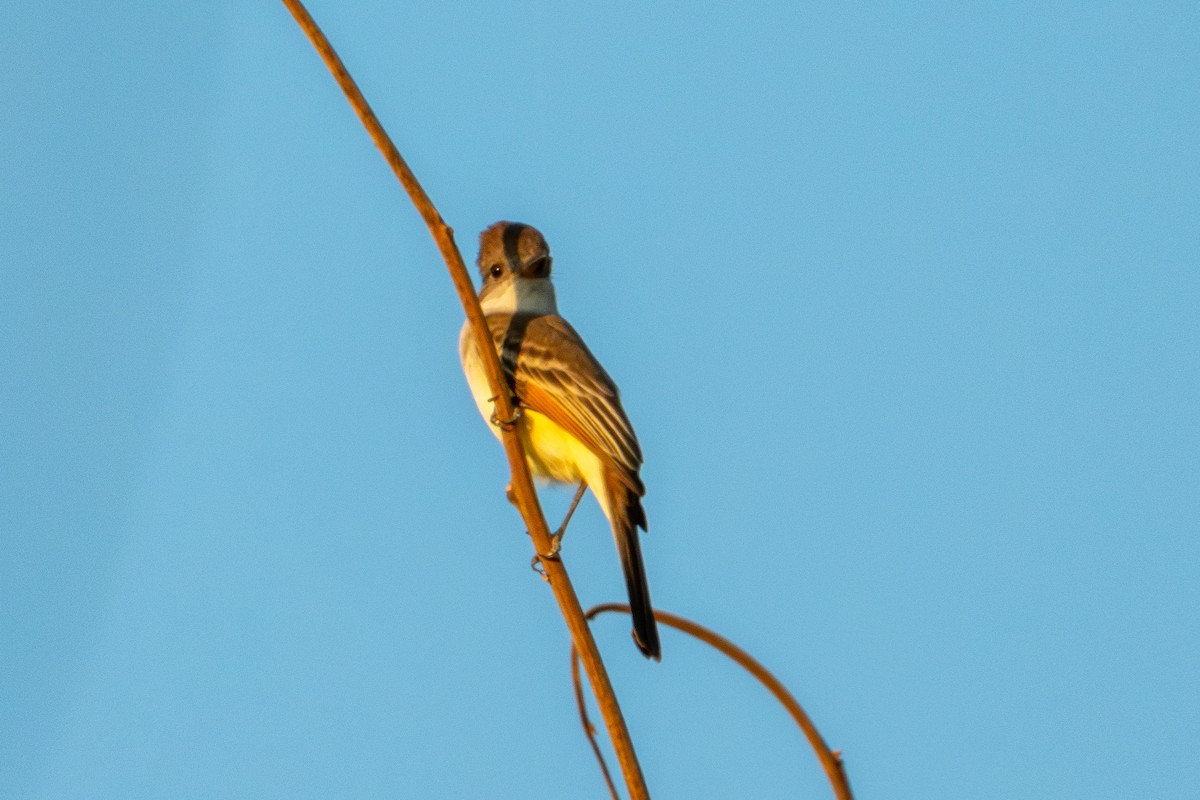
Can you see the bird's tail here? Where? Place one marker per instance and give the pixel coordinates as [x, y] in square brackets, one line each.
[627, 516]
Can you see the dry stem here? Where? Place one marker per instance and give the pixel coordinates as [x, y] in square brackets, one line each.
[831, 761]
[522, 485]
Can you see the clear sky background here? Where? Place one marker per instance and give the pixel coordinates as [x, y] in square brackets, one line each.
[903, 300]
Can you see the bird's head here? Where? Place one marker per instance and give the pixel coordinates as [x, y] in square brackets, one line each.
[514, 261]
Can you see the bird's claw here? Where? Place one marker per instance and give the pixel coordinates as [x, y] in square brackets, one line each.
[506, 424]
[555, 548]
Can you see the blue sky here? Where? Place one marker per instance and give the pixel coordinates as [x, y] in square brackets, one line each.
[903, 304]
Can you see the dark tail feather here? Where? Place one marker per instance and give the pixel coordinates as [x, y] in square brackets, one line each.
[627, 515]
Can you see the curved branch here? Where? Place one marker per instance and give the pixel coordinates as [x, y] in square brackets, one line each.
[831, 760]
[589, 728]
[522, 484]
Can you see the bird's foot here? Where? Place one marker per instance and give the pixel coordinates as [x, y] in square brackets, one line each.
[505, 424]
[535, 564]
[555, 544]
[555, 548]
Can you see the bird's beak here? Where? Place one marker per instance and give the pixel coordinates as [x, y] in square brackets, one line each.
[536, 269]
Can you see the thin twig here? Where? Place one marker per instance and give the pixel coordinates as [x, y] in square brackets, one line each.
[522, 484]
[589, 728]
[830, 760]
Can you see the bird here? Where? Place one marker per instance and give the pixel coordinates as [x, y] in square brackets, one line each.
[570, 421]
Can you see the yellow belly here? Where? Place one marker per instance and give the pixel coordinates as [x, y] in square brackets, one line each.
[555, 455]
[552, 453]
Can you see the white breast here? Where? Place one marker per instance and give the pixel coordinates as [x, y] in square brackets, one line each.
[520, 295]
[476, 375]
[524, 296]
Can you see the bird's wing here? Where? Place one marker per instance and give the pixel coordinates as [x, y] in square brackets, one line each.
[553, 372]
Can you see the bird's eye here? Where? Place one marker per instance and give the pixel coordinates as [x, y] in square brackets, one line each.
[497, 270]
